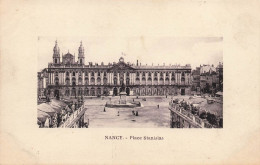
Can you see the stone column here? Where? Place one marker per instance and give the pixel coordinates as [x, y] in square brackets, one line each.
[83, 78]
[170, 77]
[164, 78]
[125, 78]
[102, 77]
[111, 78]
[70, 79]
[118, 80]
[108, 78]
[95, 76]
[152, 77]
[158, 78]
[77, 77]
[146, 77]
[52, 74]
[89, 78]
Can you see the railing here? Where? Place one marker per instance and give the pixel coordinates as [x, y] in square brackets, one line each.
[192, 119]
[72, 117]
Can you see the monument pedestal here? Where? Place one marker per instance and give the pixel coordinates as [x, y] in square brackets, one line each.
[122, 99]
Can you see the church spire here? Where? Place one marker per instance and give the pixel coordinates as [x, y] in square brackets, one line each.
[56, 53]
[56, 50]
[81, 56]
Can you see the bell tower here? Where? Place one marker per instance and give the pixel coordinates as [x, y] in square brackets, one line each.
[81, 56]
[56, 54]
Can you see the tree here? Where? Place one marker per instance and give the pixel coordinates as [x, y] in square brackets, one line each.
[212, 119]
[203, 115]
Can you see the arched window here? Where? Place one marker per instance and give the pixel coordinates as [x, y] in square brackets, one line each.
[143, 74]
[127, 81]
[115, 81]
[167, 74]
[56, 74]
[98, 73]
[149, 74]
[167, 81]
[92, 81]
[56, 61]
[149, 81]
[98, 81]
[155, 73]
[127, 73]
[67, 81]
[161, 74]
[80, 61]
[182, 74]
[173, 80]
[73, 81]
[173, 75]
[137, 74]
[86, 74]
[86, 92]
[92, 73]
[80, 81]
[67, 73]
[121, 81]
[56, 81]
[105, 81]
[137, 81]
[73, 74]
[105, 73]
[86, 81]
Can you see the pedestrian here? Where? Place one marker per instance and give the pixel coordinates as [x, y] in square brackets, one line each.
[133, 112]
[136, 113]
[117, 113]
[104, 109]
[158, 106]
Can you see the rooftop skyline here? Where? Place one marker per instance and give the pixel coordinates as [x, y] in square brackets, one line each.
[195, 51]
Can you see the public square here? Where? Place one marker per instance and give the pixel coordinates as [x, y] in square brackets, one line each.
[149, 115]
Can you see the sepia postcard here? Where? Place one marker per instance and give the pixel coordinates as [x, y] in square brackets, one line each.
[129, 82]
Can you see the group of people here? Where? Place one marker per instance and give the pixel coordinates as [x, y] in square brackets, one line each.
[58, 118]
[135, 113]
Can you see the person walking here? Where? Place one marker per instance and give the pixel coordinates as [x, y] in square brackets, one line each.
[133, 112]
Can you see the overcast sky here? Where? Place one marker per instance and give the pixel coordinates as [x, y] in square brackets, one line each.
[148, 50]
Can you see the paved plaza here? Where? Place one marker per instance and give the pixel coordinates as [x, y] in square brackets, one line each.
[149, 115]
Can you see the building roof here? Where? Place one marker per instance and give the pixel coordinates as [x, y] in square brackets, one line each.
[68, 55]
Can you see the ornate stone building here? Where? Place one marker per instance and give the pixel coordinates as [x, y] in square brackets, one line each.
[68, 77]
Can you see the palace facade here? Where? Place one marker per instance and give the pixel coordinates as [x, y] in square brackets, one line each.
[67, 77]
